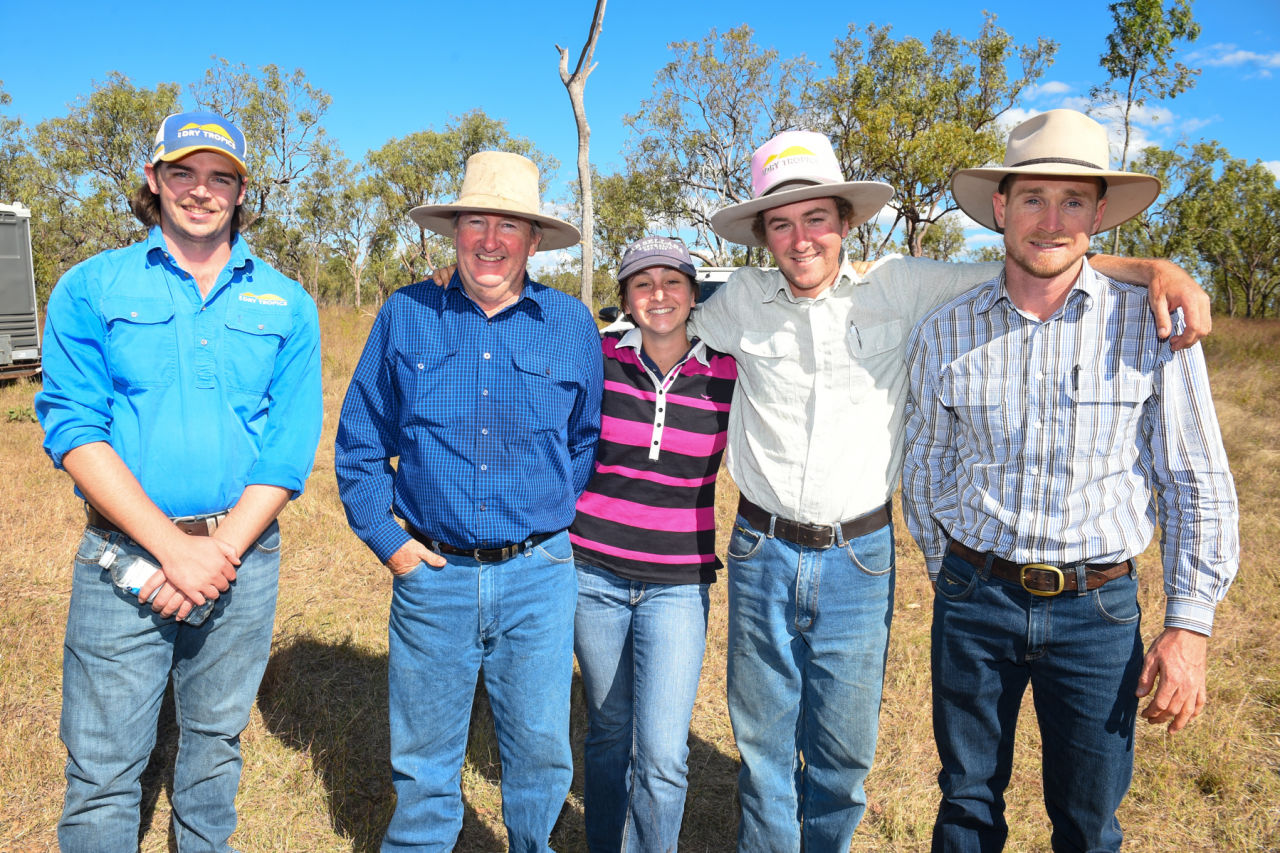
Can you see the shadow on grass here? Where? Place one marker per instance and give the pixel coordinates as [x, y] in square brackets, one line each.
[330, 701]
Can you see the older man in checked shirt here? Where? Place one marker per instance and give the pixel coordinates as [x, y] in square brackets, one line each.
[488, 390]
[1048, 430]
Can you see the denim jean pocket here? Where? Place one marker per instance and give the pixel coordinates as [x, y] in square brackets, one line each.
[956, 584]
[873, 553]
[269, 541]
[556, 549]
[1117, 601]
[744, 543]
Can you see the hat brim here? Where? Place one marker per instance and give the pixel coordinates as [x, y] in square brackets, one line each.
[733, 223]
[556, 233]
[175, 156]
[1128, 193]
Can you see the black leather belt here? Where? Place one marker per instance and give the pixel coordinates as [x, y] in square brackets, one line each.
[1042, 578]
[812, 535]
[194, 525]
[483, 555]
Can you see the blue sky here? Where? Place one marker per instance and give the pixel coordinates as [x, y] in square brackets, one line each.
[393, 68]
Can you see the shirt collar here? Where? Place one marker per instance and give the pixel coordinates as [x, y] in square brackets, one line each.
[241, 255]
[532, 291]
[845, 277]
[633, 339]
[1087, 285]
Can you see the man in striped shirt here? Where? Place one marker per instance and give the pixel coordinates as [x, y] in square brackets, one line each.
[1048, 430]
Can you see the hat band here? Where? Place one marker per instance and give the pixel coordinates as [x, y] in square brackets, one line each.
[1065, 160]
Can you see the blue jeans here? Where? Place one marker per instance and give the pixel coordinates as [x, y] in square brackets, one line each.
[117, 660]
[512, 620]
[808, 636]
[1082, 654]
[639, 648]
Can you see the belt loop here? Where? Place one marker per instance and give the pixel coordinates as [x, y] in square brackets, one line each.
[1082, 580]
[773, 519]
[837, 535]
[986, 566]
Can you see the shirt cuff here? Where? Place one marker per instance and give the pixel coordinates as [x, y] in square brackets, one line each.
[386, 540]
[1190, 613]
[934, 566]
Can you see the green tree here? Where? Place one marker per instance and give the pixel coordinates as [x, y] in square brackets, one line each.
[626, 205]
[84, 167]
[910, 114]
[281, 116]
[1218, 216]
[1137, 59]
[711, 107]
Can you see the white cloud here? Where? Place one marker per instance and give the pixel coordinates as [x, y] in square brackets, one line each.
[1048, 89]
[1273, 165]
[1224, 55]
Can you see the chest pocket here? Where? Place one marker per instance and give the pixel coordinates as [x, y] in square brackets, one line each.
[426, 384]
[254, 337]
[142, 341]
[869, 348]
[550, 385]
[990, 417]
[1107, 412]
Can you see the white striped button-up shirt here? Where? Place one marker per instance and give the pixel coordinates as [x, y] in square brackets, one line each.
[1067, 440]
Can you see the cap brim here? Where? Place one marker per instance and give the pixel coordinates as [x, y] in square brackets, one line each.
[1128, 193]
[733, 223]
[556, 233]
[175, 156]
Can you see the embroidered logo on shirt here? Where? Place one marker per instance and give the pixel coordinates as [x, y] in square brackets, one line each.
[263, 299]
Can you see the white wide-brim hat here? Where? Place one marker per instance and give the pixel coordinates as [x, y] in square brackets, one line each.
[503, 183]
[1059, 143]
[797, 165]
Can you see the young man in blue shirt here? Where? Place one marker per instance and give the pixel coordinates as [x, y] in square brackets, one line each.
[182, 395]
[488, 391]
[1049, 430]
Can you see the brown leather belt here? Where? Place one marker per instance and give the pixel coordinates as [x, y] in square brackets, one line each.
[1041, 578]
[483, 555]
[191, 525]
[811, 535]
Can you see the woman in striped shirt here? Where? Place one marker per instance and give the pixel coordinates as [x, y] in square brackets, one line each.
[644, 545]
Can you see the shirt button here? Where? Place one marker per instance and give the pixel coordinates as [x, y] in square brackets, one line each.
[484, 430]
[203, 342]
[421, 366]
[483, 507]
[1039, 424]
[133, 313]
[486, 355]
[484, 393]
[484, 467]
[1039, 374]
[261, 327]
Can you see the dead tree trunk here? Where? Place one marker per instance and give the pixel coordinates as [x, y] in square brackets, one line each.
[576, 84]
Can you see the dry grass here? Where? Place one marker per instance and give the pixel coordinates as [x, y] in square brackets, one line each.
[316, 775]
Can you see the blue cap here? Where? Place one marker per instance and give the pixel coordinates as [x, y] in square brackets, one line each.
[181, 134]
[656, 252]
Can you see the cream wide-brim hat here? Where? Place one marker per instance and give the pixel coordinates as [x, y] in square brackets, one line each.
[503, 183]
[1058, 143]
[797, 165]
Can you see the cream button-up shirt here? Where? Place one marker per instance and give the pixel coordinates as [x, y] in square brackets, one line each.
[816, 427]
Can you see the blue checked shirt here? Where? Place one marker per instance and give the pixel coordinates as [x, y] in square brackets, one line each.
[1066, 441]
[494, 419]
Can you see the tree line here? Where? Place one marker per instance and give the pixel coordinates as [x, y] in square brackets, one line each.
[900, 110]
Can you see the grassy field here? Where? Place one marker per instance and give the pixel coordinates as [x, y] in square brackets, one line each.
[316, 774]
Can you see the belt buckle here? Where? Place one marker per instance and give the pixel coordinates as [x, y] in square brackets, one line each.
[1044, 567]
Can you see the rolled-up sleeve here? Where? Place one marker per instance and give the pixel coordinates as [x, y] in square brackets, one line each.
[74, 405]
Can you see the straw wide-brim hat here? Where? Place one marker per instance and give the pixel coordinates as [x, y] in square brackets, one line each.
[796, 165]
[504, 183]
[1060, 143]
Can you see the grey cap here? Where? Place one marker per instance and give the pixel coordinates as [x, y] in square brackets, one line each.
[656, 252]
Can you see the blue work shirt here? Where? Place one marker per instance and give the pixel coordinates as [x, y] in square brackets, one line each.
[494, 419]
[199, 397]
